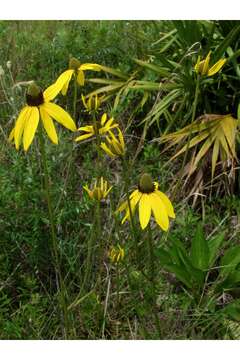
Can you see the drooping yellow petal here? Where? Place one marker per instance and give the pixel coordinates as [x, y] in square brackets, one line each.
[61, 83]
[144, 210]
[107, 150]
[30, 127]
[206, 64]
[167, 203]
[83, 137]
[103, 119]
[88, 191]
[60, 115]
[88, 128]
[159, 211]
[48, 125]
[133, 203]
[216, 67]
[125, 203]
[196, 67]
[80, 78]
[94, 67]
[20, 123]
[11, 135]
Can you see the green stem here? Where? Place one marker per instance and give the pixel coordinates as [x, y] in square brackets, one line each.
[151, 255]
[98, 139]
[118, 285]
[54, 245]
[126, 176]
[75, 98]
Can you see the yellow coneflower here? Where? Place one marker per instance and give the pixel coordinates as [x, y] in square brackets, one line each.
[150, 199]
[92, 103]
[39, 106]
[77, 69]
[202, 67]
[99, 191]
[114, 146]
[116, 254]
[103, 127]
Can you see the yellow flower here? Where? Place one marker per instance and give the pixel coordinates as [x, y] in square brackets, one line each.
[202, 67]
[99, 191]
[92, 103]
[103, 127]
[116, 254]
[150, 199]
[77, 69]
[114, 146]
[39, 106]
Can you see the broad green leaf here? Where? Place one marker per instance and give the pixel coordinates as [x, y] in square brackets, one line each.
[214, 244]
[226, 42]
[200, 250]
[163, 256]
[180, 273]
[230, 261]
[195, 274]
[233, 310]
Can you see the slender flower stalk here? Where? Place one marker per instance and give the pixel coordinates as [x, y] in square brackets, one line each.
[54, 245]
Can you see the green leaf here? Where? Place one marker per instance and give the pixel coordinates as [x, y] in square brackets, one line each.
[233, 310]
[185, 263]
[230, 261]
[163, 256]
[214, 244]
[180, 273]
[153, 67]
[225, 43]
[200, 250]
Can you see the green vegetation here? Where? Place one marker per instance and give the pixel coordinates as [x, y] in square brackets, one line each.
[105, 279]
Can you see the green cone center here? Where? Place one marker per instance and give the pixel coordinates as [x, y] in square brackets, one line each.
[74, 64]
[146, 184]
[34, 96]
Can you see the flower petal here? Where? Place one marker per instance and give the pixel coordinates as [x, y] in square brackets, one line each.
[83, 137]
[134, 199]
[144, 210]
[206, 64]
[60, 115]
[159, 211]
[94, 67]
[48, 125]
[88, 128]
[30, 127]
[107, 150]
[20, 123]
[52, 91]
[216, 67]
[80, 77]
[167, 203]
